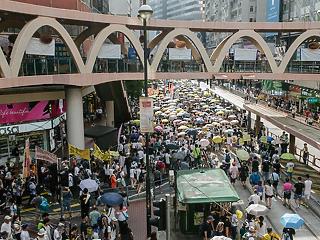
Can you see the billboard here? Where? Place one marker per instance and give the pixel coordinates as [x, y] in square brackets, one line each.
[273, 13]
[146, 114]
[179, 54]
[243, 54]
[30, 111]
[110, 51]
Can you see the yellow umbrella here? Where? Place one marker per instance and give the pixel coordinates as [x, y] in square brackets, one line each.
[182, 128]
[157, 113]
[136, 122]
[220, 112]
[179, 110]
[217, 139]
[164, 120]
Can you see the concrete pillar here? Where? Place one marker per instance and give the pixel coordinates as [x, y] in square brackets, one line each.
[249, 121]
[75, 126]
[292, 143]
[257, 124]
[110, 113]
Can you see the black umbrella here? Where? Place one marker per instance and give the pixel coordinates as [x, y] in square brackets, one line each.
[172, 146]
[192, 132]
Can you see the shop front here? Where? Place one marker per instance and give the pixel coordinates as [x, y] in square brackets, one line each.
[36, 121]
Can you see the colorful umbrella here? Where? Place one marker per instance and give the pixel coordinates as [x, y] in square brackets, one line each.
[220, 112]
[158, 129]
[164, 120]
[182, 128]
[204, 142]
[288, 156]
[243, 155]
[289, 220]
[217, 139]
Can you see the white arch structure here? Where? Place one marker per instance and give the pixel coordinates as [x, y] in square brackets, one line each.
[11, 70]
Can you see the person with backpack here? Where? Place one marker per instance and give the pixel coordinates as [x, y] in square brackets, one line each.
[206, 228]
[227, 159]
[111, 233]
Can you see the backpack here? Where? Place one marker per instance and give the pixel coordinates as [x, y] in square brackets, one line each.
[285, 236]
[44, 205]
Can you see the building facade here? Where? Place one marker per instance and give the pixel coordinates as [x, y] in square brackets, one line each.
[232, 11]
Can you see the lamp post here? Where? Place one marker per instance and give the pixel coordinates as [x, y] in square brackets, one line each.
[145, 12]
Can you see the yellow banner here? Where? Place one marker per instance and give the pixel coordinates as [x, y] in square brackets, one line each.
[246, 137]
[85, 154]
[241, 142]
[263, 139]
[105, 156]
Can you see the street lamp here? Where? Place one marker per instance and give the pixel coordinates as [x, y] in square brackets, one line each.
[145, 13]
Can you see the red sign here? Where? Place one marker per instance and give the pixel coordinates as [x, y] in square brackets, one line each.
[44, 155]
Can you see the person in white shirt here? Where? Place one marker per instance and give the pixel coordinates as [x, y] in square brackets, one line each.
[307, 187]
[254, 198]
[76, 171]
[6, 226]
[24, 233]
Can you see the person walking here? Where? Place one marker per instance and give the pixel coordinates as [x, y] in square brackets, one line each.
[85, 200]
[305, 154]
[270, 235]
[287, 189]
[298, 191]
[268, 189]
[307, 187]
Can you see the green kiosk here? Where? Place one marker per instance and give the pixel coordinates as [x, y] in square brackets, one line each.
[196, 191]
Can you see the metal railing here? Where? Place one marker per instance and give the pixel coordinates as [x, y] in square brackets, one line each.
[65, 65]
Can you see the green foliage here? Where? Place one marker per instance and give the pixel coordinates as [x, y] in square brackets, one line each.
[134, 88]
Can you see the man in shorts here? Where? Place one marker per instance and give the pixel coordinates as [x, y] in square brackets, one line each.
[299, 189]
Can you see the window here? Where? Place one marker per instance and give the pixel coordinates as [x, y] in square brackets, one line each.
[251, 8]
[251, 20]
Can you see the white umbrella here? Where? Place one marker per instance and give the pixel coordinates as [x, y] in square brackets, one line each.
[257, 209]
[223, 122]
[232, 117]
[90, 184]
[234, 122]
[220, 238]
[204, 142]
[172, 117]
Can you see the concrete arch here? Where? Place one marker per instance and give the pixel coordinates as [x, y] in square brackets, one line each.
[255, 38]
[26, 34]
[190, 35]
[103, 35]
[86, 34]
[155, 41]
[5, 70]
[294, 46]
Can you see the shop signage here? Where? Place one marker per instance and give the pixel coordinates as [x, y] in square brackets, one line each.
[9, 130]
[313, 100]
[44, 155]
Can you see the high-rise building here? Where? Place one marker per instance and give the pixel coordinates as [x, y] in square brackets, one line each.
[232, 11]
[178, 9]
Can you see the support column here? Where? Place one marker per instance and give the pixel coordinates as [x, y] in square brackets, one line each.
[257, 124]
[109, 113]
[292, 143]
[249, 121]
[75, 126]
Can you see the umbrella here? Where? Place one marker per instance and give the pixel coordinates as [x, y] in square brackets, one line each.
[158, 129]
[111, 199]
[287, 156]
[223, 122]
[232, 117]
[181, 134]
[181, 128]
[289, 220]
[257, 209]
[216, 124]
[192, 132]
[172, 146]
[243, 155]
[176, 121]
[234, 122]
[229, 131]
[217, 139]
[164, 120]
[172, 117]
[157, 113]
[269, 139]
[220, 112]
[220, 238]
[204, 142]
[182, 123]
[90, 184]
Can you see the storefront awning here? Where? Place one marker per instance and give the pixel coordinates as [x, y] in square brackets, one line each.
[205, 186]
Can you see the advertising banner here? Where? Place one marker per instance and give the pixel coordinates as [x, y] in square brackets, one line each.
[179, 54]
[310, 55]
[30, 111]
[243, 54]
[36, 47]
[26, 160]
[85, 154]
[44, 155]
[110, 51]
[146, 114]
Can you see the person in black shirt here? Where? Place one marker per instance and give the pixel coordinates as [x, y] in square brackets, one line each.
[277, 166]
[288, 233]
[255, 164]
[266, 169]
[85, 200]
[299, 189]
[207, 228]
[244, 173]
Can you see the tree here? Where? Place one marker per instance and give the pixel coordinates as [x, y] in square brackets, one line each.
[134, 88]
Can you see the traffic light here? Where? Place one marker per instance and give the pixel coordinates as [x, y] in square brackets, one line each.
[160, 213]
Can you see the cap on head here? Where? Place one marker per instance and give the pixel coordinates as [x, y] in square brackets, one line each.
[7, 217]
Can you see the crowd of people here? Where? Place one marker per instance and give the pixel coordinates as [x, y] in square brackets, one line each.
[192, 129]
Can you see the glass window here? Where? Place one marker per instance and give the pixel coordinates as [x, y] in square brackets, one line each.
[251, 8]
